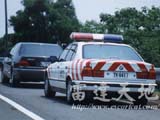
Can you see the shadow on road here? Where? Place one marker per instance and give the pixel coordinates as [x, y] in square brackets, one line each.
[32, 85]
[28, 85]
[93, 104]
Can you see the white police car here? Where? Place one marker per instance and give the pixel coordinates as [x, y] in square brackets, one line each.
[99, 67]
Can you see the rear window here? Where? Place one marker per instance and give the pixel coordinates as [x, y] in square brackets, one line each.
[40, 50]
[103, 51]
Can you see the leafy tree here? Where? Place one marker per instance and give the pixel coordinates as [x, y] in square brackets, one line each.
[140, 29]
[92, 27]
[45, 21]
[63, 20]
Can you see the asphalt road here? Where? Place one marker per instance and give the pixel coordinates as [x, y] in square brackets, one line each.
[31, 97]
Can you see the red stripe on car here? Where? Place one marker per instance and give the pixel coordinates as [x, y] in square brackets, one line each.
[73, 70]
[99, 65]
[142, 67]
[77, 78]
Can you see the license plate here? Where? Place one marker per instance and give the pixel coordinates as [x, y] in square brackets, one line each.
[45, 64]
[120, 75]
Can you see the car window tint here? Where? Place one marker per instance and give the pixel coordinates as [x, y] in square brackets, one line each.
[69, 55]
[109, 52]
[15, 49]
[71, 52]
[65, 52]
[40, 50]
[63, 55]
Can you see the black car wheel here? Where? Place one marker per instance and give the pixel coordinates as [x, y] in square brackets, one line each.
[13, 81]
[69, 92]
[143, 101]
[47, 89]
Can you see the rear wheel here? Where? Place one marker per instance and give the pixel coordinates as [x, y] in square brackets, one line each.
[13, 81]
[47, 89]
[69, 92]
[143, 101]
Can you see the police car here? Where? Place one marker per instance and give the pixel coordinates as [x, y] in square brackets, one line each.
[100, 67]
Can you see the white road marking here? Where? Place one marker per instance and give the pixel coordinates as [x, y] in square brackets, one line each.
[21, 108]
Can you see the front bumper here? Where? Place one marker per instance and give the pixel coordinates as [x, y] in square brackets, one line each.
[30, 74]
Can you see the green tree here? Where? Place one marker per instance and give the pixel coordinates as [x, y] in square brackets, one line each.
[63, 20]
[45, 21]
[140, 29]
[93, 27]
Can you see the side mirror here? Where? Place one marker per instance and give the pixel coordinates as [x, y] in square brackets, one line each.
[53, 59]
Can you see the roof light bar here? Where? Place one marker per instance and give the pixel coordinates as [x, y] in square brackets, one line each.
[97, 37]
[81, 36]
[113, 38]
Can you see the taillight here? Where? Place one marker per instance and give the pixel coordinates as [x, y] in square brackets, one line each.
[147, 75]
[142, 75]
[98, 73]
[23, 63]
[87, 71]
[152, 73]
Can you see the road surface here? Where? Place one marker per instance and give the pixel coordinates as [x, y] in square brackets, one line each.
[31, 97]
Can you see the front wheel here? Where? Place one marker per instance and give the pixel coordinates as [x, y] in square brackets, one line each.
[47, 89]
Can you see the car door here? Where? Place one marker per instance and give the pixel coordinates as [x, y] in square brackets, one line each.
[10, 60]
[55, 71]
[7, 66]
[60, 68]
[64, 65]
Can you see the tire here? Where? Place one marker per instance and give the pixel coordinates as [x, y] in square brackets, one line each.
[47, 90]
[143, 101]
[13, 81]
[69, 92]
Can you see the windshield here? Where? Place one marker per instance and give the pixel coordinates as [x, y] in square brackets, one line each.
[40, 50]
[99, 51]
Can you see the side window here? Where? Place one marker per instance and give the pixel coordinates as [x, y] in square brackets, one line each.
[71, 53]
[64, 53]
[14, 50]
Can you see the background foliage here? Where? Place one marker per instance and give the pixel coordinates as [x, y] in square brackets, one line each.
[52, 22]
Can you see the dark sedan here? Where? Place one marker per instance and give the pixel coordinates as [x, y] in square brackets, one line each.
[28, 61]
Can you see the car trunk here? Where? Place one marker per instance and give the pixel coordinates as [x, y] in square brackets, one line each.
[118, 69]
[34, 62]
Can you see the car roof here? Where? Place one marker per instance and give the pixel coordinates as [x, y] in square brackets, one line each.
[36, 43]
[100, 43]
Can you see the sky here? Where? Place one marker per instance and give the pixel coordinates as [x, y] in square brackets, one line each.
[85, 9]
